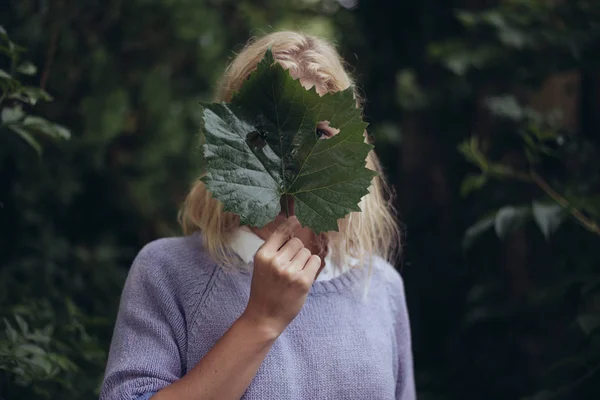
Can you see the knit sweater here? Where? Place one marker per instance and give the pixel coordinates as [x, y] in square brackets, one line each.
[177, 302]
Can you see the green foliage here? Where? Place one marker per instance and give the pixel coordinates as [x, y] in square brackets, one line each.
[15, 96]
[263, 147]
[51, 353]
[538, 141]
[29, 355]
[522, 39]
[536, 161]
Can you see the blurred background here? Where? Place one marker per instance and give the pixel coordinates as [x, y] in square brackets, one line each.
[485, 115]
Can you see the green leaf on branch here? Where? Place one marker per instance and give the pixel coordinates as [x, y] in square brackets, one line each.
[10, 332]
[12, 114]
[411, 95]
[42, 125]
[4, 74]
[263, 146]
[476, 230]
[31, 95]
[548, 217]
[505, 106]
[467, 19]
[470, 150]
[509, 219]
[472, 183]
[23, 326]
[26, 136]
[27, 68]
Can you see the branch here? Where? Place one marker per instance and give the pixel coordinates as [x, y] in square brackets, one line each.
[589, 224]
[533, 177]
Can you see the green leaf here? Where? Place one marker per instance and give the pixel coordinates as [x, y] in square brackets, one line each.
[471, 183]
[509, 219]
[512, 37]
[468, 19]
[263, 146]
[505, 106]
[11, 333]
[28, 349]
[63, 362]
[44, 364]
[21, 323]
[388, 134]
[12, 114]
[27, 68]
[61, 132]
[26, 136]
[548, 217]
[476, 230]
[410, 94]
[46, 127]
[4, 74]
[31, 95]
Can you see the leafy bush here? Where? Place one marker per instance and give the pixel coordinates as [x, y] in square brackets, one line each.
[538, 165]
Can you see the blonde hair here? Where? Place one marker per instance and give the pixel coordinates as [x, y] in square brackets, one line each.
[361, 235]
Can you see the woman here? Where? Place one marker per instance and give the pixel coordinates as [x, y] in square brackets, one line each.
[267, 313]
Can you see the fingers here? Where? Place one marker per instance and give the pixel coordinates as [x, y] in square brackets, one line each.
[281, 235]
[299, 261]
[312, 267]
[289, 250]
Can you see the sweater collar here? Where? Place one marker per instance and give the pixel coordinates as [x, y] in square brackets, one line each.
[246, 243]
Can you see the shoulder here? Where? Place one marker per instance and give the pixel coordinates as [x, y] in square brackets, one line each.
[387, 277]
[175, 264]
[182, 250]
[387, 274]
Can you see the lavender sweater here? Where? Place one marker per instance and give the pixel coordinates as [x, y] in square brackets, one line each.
[177, 303]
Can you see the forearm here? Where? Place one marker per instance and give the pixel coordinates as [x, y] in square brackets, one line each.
[226, 371]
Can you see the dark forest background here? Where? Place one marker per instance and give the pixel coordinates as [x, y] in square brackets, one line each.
[486, 115]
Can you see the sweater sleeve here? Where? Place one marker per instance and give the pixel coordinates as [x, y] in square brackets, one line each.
[405, 383]
[148, 345]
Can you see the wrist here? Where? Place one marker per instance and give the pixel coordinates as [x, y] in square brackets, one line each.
[263, 328]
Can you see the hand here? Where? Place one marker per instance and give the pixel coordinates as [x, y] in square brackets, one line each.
[284, 271]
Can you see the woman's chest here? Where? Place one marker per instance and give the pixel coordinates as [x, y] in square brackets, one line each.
[336, 348]
[341, 363]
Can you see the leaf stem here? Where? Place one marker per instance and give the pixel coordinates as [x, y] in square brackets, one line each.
[287, 207]
[541, 183]
[589, 224]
